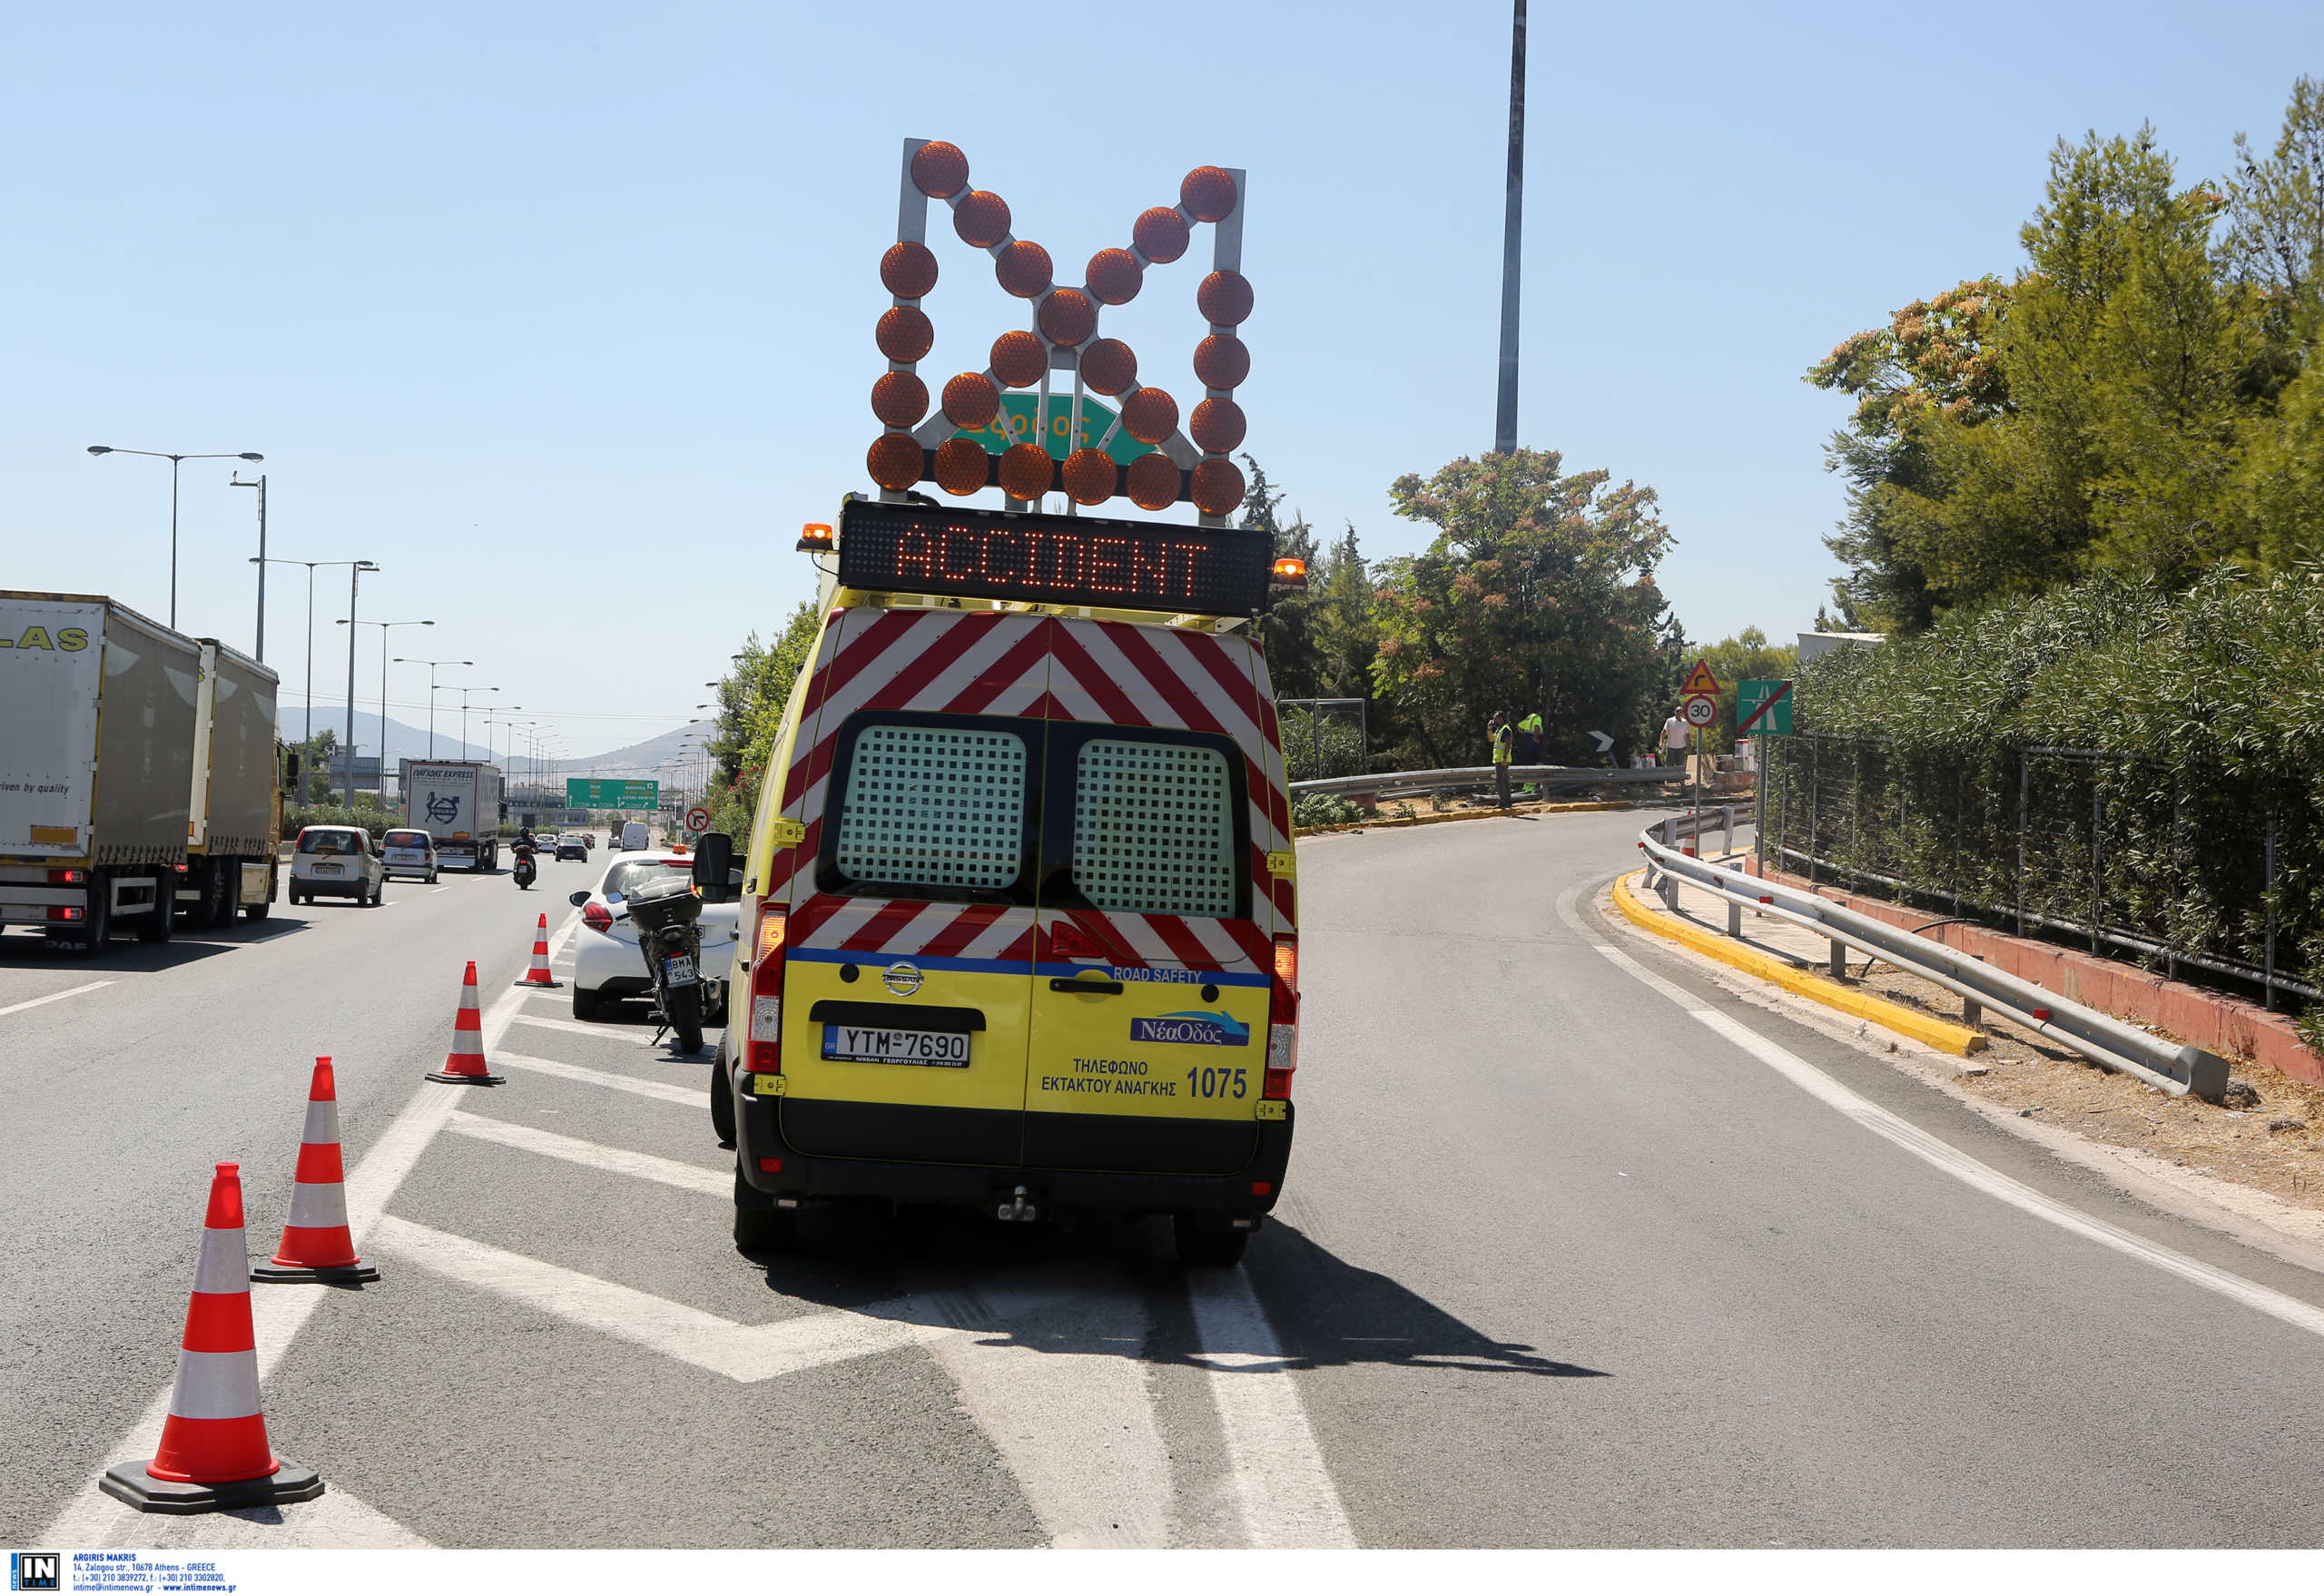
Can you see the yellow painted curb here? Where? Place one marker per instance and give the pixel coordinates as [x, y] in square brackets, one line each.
[1943, 1035]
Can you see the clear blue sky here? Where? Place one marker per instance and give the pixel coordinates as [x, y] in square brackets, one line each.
[563, 314]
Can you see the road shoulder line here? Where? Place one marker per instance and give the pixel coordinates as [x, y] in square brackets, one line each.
[1935, 1151]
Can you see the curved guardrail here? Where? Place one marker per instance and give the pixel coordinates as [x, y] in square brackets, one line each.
[1482, 775]
[2102, 1038]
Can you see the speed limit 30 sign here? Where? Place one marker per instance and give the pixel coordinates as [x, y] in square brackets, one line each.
[697, 819]
[1701, 710]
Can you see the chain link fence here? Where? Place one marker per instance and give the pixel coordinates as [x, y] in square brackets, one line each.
[2097, 848]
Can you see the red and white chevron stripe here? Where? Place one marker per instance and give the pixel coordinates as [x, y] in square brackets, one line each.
[979, 662]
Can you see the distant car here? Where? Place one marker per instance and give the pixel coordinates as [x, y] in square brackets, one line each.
[336, 862]
[405, 851]
[573, 846]
[634, 836]
[607, 964]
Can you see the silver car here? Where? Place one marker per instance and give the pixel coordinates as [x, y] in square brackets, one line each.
[336, 862]
[407, 851]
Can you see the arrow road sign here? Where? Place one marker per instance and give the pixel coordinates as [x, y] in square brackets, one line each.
[1699, 680]
[1605, 744]
[1762, 708]
[697, 819]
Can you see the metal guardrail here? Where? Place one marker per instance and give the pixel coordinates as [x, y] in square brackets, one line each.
[1482, 775]
[2102, 1038]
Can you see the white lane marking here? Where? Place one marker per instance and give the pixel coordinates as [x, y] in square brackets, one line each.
[1285, 1493]
[691, 1096]
[742, 1353]
[278, 1313]
[433, 891]
[1067, 1406]
[715, 1183]
[333, 1522]
[1942, 1154]
[644, 1038]
[54, 997]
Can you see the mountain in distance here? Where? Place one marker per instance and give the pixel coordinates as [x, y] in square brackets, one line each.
[403, 741]
[637, 759]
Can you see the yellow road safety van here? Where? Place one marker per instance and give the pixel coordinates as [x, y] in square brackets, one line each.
[1019, 919]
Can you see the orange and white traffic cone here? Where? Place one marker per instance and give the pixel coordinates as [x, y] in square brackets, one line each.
[463, 1065]
[538, 975]
[316, 1245]
[215, 1451]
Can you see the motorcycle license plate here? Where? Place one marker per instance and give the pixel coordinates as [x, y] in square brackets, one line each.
[856, 1044]
[681, 971]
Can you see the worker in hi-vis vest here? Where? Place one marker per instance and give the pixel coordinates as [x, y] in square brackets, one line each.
[1504, 748]
[1529, 743]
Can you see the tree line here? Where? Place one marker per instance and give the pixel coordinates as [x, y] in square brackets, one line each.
[2141, 397]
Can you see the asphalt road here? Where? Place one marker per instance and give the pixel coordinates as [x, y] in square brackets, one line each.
[1560, 1262]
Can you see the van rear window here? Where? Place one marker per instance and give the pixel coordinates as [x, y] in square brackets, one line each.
[934, 806]
[1153, 828]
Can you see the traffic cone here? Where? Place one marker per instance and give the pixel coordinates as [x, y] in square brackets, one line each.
[463, 1065]
[214, 1453]
[538, 975]
[316, 1245]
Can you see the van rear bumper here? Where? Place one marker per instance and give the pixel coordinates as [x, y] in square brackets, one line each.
[810, 1176]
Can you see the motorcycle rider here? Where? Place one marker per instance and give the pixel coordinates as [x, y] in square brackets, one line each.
[527, 845]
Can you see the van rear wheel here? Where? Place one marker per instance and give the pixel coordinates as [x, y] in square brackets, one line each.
[1207, 1241]
[722, 1096]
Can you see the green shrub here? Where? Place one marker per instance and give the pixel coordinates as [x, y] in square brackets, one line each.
[296, 817]
[1322, 808]
[2173, 726]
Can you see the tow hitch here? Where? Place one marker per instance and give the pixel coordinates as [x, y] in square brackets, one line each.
[1018, 1209]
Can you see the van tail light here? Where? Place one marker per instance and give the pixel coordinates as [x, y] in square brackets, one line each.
[1283, 1020]
[597, 917]
[765, 1056]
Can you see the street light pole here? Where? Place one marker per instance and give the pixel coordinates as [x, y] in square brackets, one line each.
[306, 755]
[431, 665]
[260, 486]
[464, 714]
[103, 448]
[354, 577]
[1504, 426]
[385, 626]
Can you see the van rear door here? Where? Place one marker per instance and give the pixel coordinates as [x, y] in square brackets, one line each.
[909, 967]
[1149, 1022]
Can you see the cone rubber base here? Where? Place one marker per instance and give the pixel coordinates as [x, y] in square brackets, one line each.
[538, 985]
[465, 1079]
[131, 1483]
[353, 1274]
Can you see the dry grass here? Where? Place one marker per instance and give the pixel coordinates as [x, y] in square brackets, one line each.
[2236, 1143]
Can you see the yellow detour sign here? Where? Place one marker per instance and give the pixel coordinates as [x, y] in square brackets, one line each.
[1699, 680]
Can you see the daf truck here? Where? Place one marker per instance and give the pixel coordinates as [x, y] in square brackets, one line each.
[98, 713]
[235, 813]
[457, 802]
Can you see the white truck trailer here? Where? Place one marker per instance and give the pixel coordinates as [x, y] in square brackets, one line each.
[457, 802]
[236, 813]
[97, 734]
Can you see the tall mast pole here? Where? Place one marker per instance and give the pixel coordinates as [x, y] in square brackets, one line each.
[1504, 426]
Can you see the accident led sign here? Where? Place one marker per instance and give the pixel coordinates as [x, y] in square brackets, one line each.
[1053, 559]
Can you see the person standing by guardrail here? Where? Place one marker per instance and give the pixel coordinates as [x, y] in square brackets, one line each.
[1675, 737]
[1529, 743]
[1504, 747]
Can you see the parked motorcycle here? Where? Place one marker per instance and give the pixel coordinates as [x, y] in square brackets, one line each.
[668, 918]
[526, 870]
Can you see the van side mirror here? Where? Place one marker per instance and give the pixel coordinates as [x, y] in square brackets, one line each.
[714, 861]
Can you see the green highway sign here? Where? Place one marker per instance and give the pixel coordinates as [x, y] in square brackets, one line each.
[1014, 424]
[1762, 709]
[593, 792]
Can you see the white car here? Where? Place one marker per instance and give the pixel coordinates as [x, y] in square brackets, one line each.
[335, 861]
[408, 851]
[606, 965]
